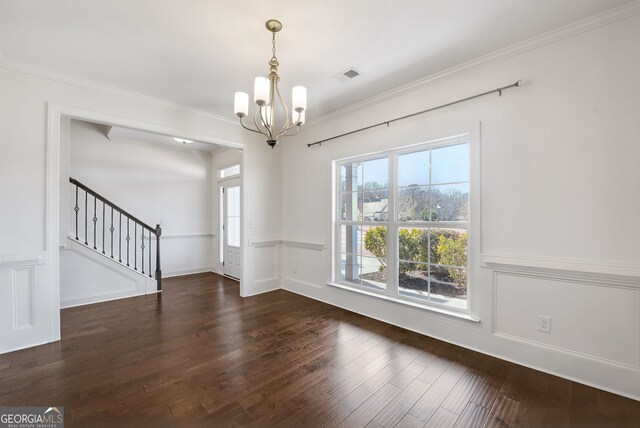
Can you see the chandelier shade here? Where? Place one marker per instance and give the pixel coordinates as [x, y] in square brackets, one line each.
[271, 117]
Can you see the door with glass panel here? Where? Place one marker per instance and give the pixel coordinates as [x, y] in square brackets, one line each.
[230, 230]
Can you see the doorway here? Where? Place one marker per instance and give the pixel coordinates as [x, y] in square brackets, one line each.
[230, 223]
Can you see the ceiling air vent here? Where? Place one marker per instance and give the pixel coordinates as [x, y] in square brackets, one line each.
[351, 73]
[346, 75]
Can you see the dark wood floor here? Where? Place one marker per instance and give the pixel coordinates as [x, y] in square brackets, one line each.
[199, 355]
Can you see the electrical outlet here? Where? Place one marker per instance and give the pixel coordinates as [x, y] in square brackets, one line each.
[544, 323]
[294, 269]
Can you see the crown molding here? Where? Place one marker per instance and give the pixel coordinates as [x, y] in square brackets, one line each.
[44, 73]
[544, 39]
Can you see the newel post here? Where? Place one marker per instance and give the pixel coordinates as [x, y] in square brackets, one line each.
[158, 269]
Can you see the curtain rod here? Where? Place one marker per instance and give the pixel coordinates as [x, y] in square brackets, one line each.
[387, 122]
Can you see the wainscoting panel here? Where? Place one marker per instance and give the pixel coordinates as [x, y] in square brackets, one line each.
[304, 259]
[25, 315]
[23, 297]
[590, 319]
[266, 266]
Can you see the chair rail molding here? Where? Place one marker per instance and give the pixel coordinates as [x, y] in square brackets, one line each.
[625, 274]
[23, 259]
[289, 242]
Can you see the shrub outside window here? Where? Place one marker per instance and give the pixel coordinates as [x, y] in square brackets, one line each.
[403, 221]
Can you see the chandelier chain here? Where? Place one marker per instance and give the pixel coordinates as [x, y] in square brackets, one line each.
[273, 43]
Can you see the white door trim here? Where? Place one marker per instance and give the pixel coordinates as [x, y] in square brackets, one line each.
[226, 184]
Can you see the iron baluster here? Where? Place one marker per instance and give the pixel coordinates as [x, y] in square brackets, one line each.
[86, 197]
[135, 246]
[111, 229]
[76, 209]
[149, 254]
[142, 248]
[103, 220]
[120, 239]
[128, 238]
[95, 222]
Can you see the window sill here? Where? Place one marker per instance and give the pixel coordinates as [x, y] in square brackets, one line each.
[441, 311]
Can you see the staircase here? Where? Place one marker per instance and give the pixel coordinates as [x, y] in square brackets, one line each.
[109, 230]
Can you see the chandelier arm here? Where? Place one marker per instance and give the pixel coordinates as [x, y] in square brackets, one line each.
[291, 135]
[255, 122]
[265, 129]
[283, 131]
[287, 123]
[247, 128]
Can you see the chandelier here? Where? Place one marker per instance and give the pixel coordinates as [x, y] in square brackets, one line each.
[266, 95]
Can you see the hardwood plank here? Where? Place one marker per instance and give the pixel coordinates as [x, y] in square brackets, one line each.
[366, 412]
[442, 418]
[410, 422]
[400, 405]
[473, 416]
[427, 405]
[460, 395]
[503, 413]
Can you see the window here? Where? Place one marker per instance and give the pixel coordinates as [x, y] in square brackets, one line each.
[230, 171]
[403, 221]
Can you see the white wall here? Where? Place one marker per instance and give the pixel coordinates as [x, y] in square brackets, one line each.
[29, 254]
[560, 209]
[157, 184]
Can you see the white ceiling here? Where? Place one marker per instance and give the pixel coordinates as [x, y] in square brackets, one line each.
[134, 135]
[197, 53]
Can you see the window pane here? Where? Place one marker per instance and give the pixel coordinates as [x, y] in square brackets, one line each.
[450, 164]
[413, 244]
[373, 272]
[374, 241]
[230, 171]
[413, 169]
[413, 203]
[376, 205]
[448, 286]
[349, 239]
[448, 247]
[350, 206]
[376, 174]
[413, 279]
[233, 216]
[363, 255]
[351, 177]
[450, 202]
[370, 241]
[350, 268]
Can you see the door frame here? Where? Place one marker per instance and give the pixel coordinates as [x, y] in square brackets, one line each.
[223, 183]
[55, 143]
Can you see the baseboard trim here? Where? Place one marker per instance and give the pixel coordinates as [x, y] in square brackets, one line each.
[104, 297]
[191, 271]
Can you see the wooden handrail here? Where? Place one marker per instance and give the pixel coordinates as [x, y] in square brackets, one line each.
[111, 204]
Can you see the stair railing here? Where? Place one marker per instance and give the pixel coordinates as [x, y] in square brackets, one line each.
[118, 223]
